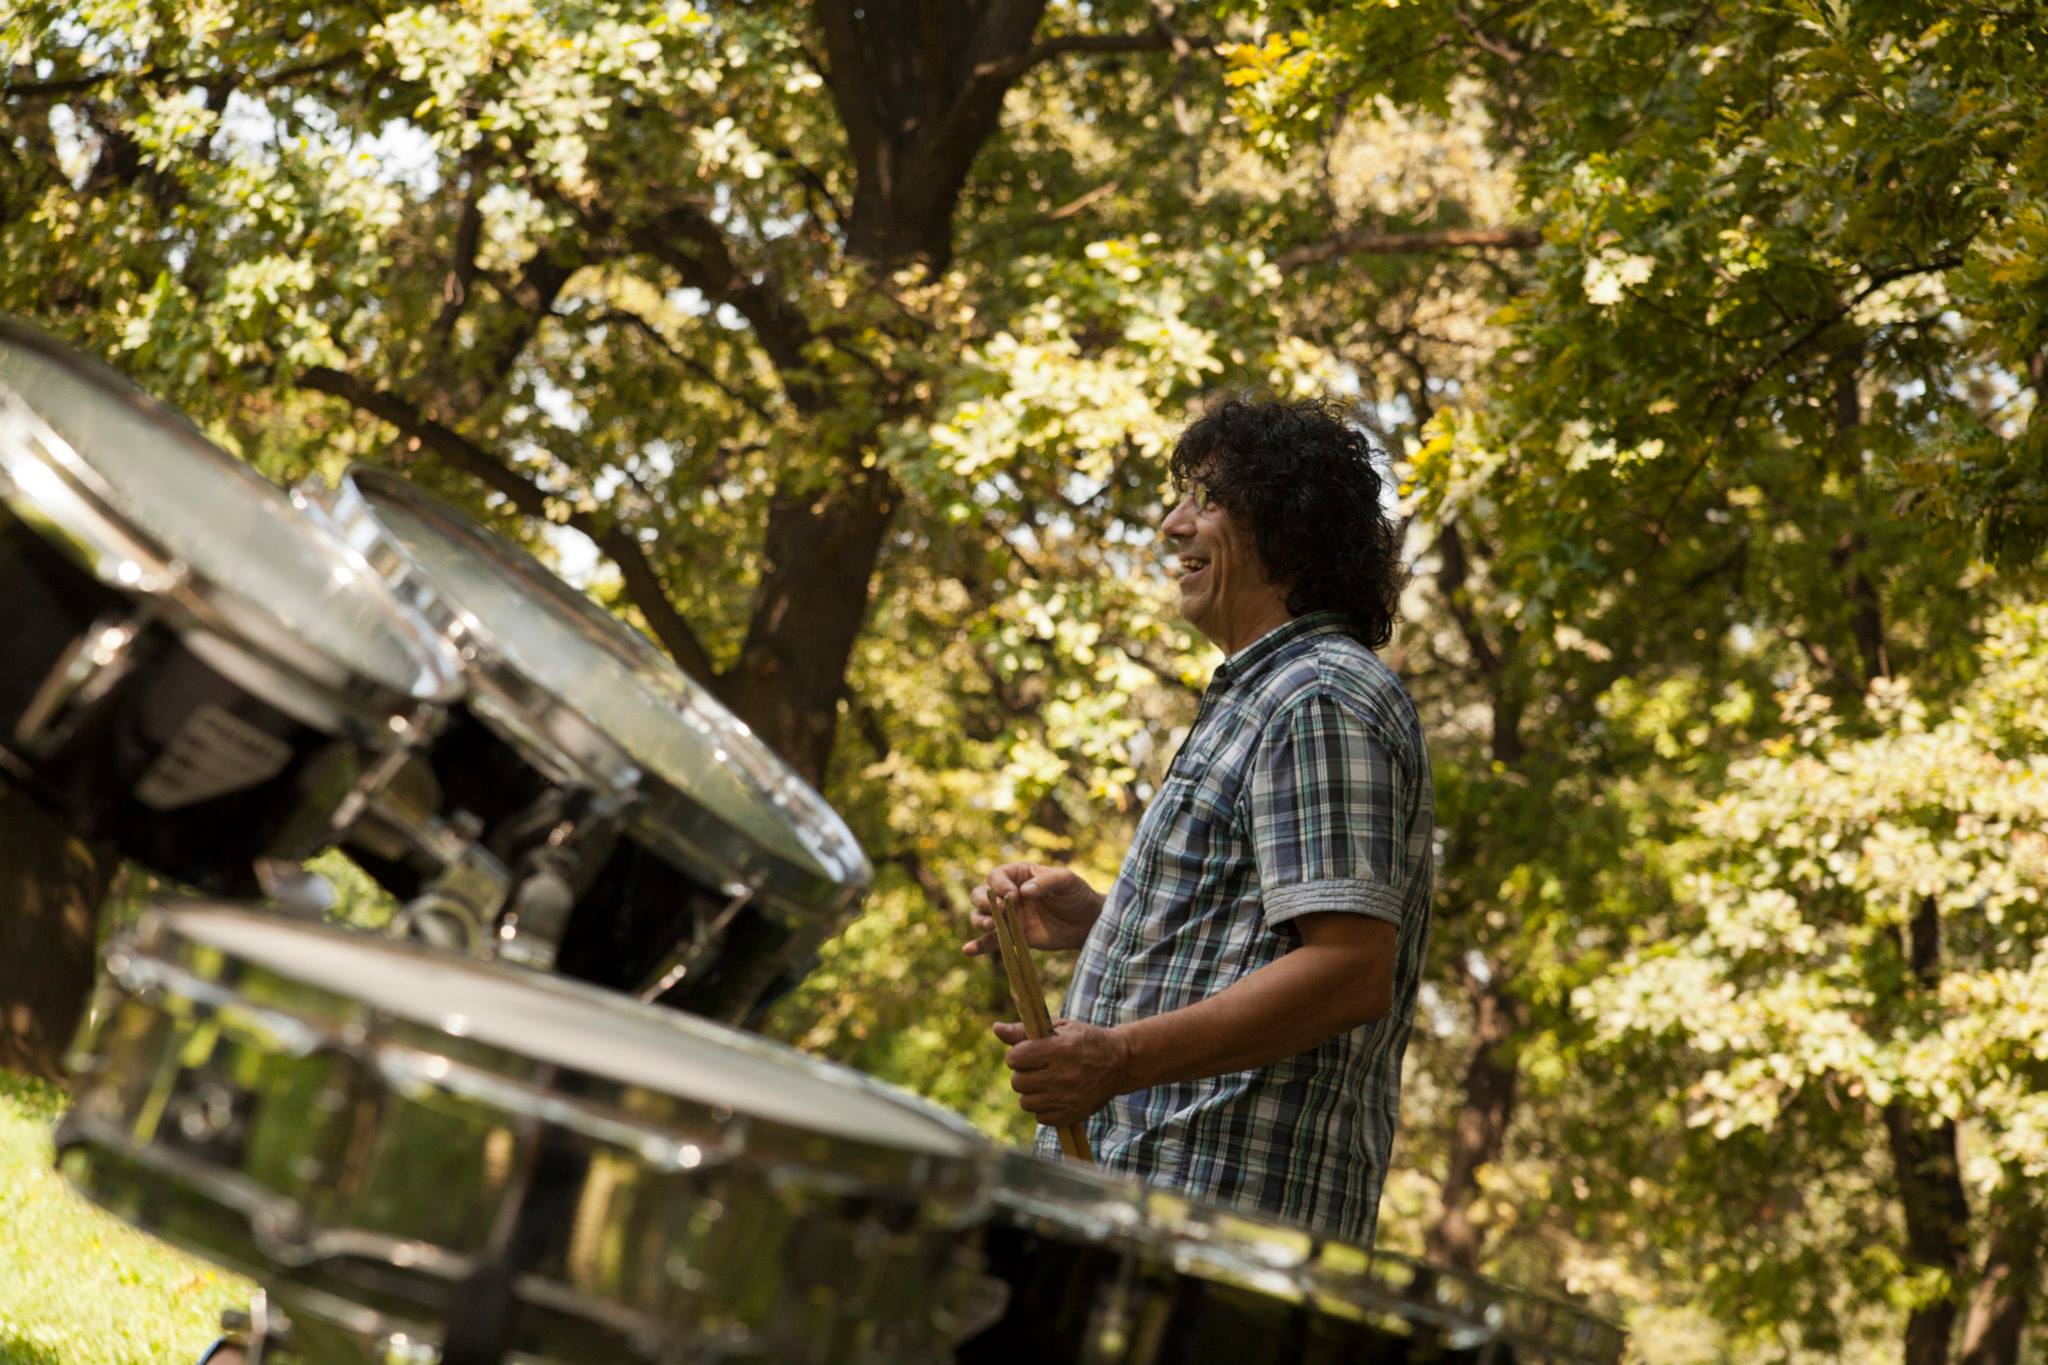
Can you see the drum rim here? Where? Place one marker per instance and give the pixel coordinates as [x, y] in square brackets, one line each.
[1152, 1221]
[664, 816]
[99, 528]
[369, 1030]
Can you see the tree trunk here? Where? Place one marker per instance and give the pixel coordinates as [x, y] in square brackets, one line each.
[1488, 1106]
[51, 886]
[2004, 1295]
[1482, 1122]
[919, 86]
[1931, 1197]
[819, 561]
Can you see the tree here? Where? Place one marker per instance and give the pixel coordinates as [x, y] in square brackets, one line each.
[1766, 380]
[851, 337]
[1857, 981]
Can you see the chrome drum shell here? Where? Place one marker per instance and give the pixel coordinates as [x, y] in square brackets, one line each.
[729, 870]
[1102, 1270]
[201, 702]
[363, 1162]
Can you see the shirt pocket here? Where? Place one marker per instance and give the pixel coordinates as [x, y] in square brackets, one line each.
[1193, 832]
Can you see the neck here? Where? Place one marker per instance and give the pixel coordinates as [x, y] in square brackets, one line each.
[1267, 616]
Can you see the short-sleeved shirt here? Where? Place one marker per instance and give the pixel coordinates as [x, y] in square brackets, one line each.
[1303, 786]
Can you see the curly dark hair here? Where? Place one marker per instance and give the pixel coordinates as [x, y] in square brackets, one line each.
[1301, 480]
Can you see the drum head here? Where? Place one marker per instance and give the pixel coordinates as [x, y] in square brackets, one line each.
[590, 660]
[580, 1028]
[275, 580]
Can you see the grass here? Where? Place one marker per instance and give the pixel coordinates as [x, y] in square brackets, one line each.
[78, 1286]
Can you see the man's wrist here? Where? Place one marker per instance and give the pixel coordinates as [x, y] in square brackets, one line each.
[1124, 1046]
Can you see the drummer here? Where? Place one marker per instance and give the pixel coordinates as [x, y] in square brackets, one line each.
[1237, 1016]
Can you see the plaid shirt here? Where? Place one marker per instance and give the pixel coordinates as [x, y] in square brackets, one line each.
[1304, 786]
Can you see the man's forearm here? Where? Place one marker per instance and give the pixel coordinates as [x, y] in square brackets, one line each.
[1311, 994]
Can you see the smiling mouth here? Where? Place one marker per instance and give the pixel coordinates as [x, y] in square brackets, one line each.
[1191, 565]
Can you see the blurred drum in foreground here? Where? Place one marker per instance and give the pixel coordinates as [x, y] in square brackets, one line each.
[686, 861]
[1105, 1271]
[189, 668]
[428, 1158]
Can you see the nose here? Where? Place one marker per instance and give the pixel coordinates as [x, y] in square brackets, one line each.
[1180, 520]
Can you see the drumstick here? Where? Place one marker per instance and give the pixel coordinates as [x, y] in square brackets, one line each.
[1030, 997]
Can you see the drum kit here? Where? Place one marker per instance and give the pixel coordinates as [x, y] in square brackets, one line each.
[526, 1124]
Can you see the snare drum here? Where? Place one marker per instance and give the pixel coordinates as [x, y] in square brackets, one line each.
[407, 1146]
[711, 868]
[1105, 1271]
[189, 668]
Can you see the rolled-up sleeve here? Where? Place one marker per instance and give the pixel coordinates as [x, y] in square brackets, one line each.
[1325, 815]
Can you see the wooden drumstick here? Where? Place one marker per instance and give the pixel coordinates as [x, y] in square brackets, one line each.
[1030, 998]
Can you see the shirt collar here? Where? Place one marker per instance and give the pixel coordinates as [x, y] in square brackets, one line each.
[1263, 648]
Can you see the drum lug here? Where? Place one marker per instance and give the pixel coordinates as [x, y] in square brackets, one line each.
[982, 1306]
[371, 785]
[532, 927]
[454, 908]
[580, 827]
[207, 1117]
[254, 1330]
[295, 887]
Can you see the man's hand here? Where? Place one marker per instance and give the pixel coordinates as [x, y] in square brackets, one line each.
[1063, 1079]
[1055, 908]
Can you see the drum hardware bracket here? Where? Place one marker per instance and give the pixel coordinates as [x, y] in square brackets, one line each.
[578, 823]
[454, 908]
[83, 674]
[532, 924]
[361, 799]
[678, 963]
[451, 910]
[987, 1299]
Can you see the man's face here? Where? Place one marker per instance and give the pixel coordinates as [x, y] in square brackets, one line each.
[1224, 591]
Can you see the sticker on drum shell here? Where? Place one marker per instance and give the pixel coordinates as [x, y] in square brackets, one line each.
[212, 754]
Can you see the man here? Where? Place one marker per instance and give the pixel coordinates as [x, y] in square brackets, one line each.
[1244, 991]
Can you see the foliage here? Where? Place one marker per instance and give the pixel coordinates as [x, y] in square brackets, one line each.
[1779, 1009]
[1774, 202]
[1766, 399]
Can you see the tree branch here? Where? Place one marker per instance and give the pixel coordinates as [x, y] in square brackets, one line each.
[811, 180]
[1074, 207]
[687, 240]
[1157, 39]
[157, 75]
[643, 583]
[623, 318]
[1485, 41]
[1078, 204]
[1749, 378]
[1409, 244]
[71, 85]
[1158, 668]
[462, 268]
[1451, 580]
